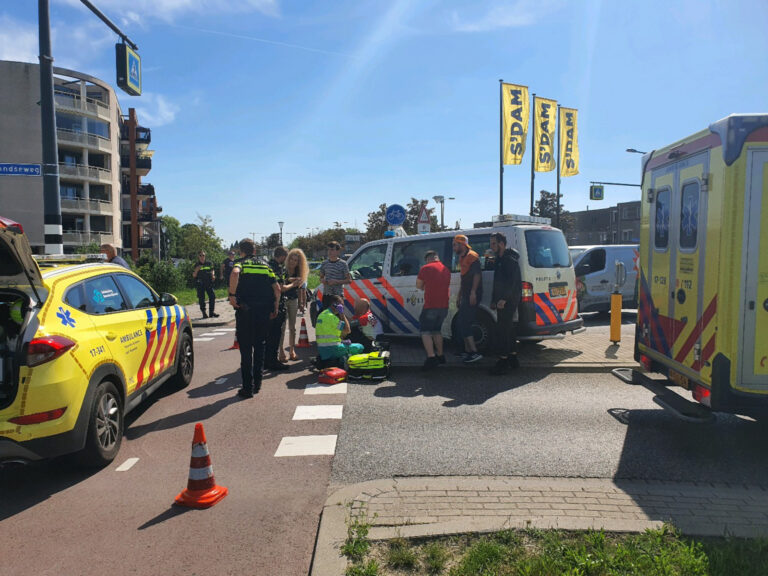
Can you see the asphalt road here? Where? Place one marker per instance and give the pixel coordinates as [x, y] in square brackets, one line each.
[459, 421]
[56, 520]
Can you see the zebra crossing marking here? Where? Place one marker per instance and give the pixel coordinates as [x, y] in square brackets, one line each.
[307, 446]
[321, 412]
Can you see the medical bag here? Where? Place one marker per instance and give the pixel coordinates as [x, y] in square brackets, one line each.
[332, 376]
[371, 366]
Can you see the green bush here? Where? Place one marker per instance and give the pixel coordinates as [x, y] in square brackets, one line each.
[163, 276]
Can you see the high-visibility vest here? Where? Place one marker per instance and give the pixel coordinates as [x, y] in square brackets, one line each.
[327, 330]
[255, 282]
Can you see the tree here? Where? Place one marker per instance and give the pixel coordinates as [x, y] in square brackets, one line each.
[201, 236]
[546, 207]
[377, 224]
[172, 235]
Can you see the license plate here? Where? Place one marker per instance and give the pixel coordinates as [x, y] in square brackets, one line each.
[679, 379]
[558, 291]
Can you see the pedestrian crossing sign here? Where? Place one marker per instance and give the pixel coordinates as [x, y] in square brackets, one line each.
[596, 193]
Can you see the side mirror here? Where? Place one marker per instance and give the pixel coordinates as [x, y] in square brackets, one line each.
[168, 299]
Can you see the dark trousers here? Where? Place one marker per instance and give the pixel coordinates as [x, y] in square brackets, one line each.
[273, 338]
[505, 326]
[202, 290]
[356, 336]
[252, 326]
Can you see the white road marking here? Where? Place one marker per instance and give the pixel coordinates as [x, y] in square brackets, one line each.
[127, 465]
[210, 334]
[220, 332]
[318, 412]
[340, 388]
[203, 339]
[307, 446]
[225, 329]
[220, 381]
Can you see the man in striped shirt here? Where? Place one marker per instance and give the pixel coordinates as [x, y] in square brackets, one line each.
[334, 272]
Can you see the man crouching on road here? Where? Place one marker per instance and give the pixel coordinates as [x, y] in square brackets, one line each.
[255, 295]
[507, 288]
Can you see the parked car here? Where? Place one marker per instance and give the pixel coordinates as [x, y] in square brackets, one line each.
[81, 344]
[595, 268]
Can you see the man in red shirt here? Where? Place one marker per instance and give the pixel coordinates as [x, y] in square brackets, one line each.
[435, 279]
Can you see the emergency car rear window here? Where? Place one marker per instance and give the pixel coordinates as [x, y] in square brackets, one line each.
[74, 297]
[547, 249]
[689, 216]
[661, 221]
[103, 296]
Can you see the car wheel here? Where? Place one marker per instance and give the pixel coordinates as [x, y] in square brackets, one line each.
[483, 331]
[105, 427]
[185, 365]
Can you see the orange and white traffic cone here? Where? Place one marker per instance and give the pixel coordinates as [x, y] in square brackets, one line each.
[201, 491]
[235, 345]
[303, 336]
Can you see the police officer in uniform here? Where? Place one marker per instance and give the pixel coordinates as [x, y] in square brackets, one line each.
[204, 276]
[255, 295]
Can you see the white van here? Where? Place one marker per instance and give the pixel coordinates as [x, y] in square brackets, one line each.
[384, 271]
[595, 268]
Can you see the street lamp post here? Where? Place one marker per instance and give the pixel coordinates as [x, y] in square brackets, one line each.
[633, 151]
[281, 232]
[441, 200]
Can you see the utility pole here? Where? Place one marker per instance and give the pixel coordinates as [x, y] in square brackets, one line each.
[52, 230]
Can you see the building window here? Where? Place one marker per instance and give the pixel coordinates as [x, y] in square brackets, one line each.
[71, 191]
[626, 235]
[72, 223]
[689, 215]
[614, 216]
[99, 224]
[629, 213]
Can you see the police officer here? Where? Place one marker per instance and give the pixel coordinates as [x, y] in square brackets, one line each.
[255, 295]
[274, 356]
[204, 276]
[507, 290]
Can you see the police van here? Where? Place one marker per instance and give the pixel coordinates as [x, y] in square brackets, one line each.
[384, 271]
[703, 310]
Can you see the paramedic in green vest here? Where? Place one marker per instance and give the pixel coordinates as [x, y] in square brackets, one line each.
[332, 326]
[204, 277]
[255, 295]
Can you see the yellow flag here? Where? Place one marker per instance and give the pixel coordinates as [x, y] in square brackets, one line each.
[569, 142]
[544, 134]
[515, 114]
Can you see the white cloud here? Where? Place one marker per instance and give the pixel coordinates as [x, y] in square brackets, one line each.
[18, 40]
[155, 110]
[505, 14]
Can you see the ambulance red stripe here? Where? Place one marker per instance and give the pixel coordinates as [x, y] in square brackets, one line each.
[700, 325]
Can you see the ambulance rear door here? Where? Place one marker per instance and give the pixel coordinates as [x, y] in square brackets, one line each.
[754, 306]
[691, 314]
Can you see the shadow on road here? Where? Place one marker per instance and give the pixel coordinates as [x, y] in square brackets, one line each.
[466, 388]
[214, 387]
[23, 487]
[172, 512]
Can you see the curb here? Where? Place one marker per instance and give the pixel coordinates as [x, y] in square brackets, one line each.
[414, 507]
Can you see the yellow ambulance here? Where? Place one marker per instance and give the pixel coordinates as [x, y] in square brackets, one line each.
[703, 291]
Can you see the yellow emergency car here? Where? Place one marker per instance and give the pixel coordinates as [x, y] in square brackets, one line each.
[80, 346]
[703, 290]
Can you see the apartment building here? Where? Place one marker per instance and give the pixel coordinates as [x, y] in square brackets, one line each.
[618, 224]
[93, 155]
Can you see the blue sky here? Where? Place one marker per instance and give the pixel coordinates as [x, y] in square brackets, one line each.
[313, 112]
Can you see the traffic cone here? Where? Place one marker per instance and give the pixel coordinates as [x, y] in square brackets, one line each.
[201, 491]
[303, 336]
[235, 345]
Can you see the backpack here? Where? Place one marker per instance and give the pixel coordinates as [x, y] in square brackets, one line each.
[371, 366]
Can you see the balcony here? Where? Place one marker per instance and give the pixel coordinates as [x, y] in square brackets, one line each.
[144, 242]
[92, 173]
[143, 190]
[73, 103]
[81, 238]
[91, 141]
[91, 206]
[144, 216]
[143, 164]
[143, 135]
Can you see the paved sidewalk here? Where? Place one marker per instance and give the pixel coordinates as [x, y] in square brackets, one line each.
[412, 507]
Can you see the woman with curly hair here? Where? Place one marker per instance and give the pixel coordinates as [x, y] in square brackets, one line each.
[296, 273]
